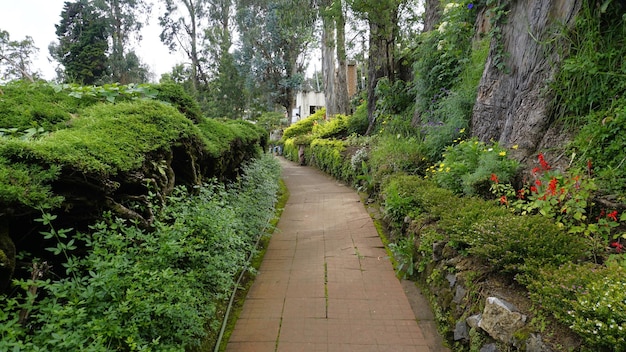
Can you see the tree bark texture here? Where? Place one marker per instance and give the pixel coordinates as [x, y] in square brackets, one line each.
[342, 100]
[381, 59]
[432, 14]
[328, 63]
[513, 105]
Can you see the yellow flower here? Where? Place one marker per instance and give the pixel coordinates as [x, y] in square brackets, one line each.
[515, 147]
[502, 153]
[462, 130]
[447, 169]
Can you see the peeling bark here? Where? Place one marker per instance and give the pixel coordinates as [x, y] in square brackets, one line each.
[513, 106]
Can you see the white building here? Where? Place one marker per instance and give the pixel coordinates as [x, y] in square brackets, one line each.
[307, 103]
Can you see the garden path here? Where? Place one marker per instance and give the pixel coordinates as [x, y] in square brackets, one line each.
[326, 282]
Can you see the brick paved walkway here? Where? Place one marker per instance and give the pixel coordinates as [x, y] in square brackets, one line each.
[326, 283]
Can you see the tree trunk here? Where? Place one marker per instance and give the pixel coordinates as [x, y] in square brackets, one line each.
[432, 14]
[328, 60]
[512, 106]
[342, 101]
[381, 60]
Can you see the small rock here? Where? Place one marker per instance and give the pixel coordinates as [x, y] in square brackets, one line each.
[501, 319]
[459, 294]
[474, 320]
[461, 331]
[489, 348]
[451, 279]
[438, 250]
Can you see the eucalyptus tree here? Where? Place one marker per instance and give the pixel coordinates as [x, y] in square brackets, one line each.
[125, 19]
[382, 17]
[83, 43]
[275, 37]
[334, 60]
[202, 29]
[16, 57]
[182, 26]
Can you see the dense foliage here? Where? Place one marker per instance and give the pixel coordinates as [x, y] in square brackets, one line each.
[138, 290]
[77, 151]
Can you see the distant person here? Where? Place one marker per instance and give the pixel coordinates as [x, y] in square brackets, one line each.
[301, 154]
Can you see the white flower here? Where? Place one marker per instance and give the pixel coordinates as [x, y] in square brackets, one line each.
[442, 27]
[450, 6]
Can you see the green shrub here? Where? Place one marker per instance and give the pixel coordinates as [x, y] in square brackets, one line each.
[328, 156]
[402, 198]
[358, 121]
[391, 154]
[304, 126]
[28, 185]
[467, 167]
[107, 138]
[335, 126]
[452, 109]
[176, 95]
[589, 298]
[441, 55]
[26, 105]
[135, 290]
[522, 244]
[591, 75]
[602, 141]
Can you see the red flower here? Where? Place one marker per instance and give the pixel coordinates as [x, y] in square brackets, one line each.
[552, 186]
[494, 178]
[533, 189]
[538, 183]
[503, 200]
[618, 246]
[612, 215]
[520, 193]
[543, 163]
[535, 170]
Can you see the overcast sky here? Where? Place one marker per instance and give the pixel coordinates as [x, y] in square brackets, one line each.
[36, 18]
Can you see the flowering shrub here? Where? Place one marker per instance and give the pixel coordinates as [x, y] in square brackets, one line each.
[564, 198]
[467, 166]
[593, 305]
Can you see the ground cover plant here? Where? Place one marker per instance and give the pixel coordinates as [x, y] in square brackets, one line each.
[145, 290]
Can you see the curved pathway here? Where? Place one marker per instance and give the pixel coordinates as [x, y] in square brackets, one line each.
[326, 283]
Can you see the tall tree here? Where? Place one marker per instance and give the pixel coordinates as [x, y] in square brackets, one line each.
[328, 44]
[275, 37]
[123, 21]
[334, 58]
[382, 16]
[16, 56]
[83, 45]
[182, 26]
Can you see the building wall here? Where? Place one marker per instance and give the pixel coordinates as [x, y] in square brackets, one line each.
[306, 104]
